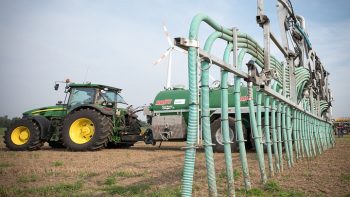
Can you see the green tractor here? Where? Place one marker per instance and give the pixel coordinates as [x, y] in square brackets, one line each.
[89, 119]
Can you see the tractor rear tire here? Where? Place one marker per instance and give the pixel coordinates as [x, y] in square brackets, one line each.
[217, 138]
[24, 134]
[86, 130]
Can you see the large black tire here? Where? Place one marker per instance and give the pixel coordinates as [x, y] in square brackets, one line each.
[24, 134]
[217, 136]
[100, 124]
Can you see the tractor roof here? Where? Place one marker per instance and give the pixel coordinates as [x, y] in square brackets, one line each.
[90, 85]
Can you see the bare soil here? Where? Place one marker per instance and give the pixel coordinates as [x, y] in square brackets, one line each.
[145, 170]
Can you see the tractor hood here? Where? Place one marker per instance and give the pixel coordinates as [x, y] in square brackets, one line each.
[50, 111]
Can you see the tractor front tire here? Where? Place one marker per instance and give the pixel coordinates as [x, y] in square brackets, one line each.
[86, 130]
[24, 134]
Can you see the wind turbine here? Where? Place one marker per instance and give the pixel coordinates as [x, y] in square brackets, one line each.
[168, 53]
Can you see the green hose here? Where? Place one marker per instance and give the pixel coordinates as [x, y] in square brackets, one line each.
[238, 119]
[267, 135]
[206, 130]
[273, 130]
[279, 134]
[289, 137]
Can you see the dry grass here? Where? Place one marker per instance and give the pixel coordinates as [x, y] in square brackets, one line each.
[145, 170]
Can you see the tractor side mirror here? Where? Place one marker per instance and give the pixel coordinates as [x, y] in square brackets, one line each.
[56, 86]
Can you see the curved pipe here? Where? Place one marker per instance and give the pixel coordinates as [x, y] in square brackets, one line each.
[238, 115]
[206, 130]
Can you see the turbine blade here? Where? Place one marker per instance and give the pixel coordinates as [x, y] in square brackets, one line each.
[167, 35]
[164, 55]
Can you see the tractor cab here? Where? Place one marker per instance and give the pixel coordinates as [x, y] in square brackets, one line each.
[93, 94]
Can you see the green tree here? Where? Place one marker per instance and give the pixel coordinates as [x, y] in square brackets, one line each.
[5, 122]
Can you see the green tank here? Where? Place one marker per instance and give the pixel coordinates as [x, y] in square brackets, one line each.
[169, 113]
[173, 101]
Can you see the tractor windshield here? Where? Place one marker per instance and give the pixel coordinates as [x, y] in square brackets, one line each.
[109, 96]
[81, 96]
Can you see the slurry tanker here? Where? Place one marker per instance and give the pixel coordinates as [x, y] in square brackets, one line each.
[168, 116]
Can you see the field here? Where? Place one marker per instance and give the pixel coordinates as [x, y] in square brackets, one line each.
[145, 170]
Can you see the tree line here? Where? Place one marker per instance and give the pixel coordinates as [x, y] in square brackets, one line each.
[5, 121]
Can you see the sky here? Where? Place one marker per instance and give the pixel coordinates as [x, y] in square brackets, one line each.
[115, 42]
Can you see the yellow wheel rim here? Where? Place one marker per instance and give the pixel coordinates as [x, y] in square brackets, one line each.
[81, 130]
[20, 135]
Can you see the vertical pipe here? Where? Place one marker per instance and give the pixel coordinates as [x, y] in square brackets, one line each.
[225, 132]
[305, 136]
[238, 117]
[256, 136]
[257, 141]
[300, 149]
[307, 144]
[316, 130]
[313, 135]
[327, 141]
[323, 136]
[258, 119]
[279, 135]
[206, 130]
[267, 135]
[285, 138]
[312, 125]
[190, 153]
[328, 134]
[301, 134]
[273, 131]
[319, 131]
[311, 148]
[331, 135]
[289, 136]
[295, 133]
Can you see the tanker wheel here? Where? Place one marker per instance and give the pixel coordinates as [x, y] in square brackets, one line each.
[24, 134]
[86, 129]
[217, 137]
